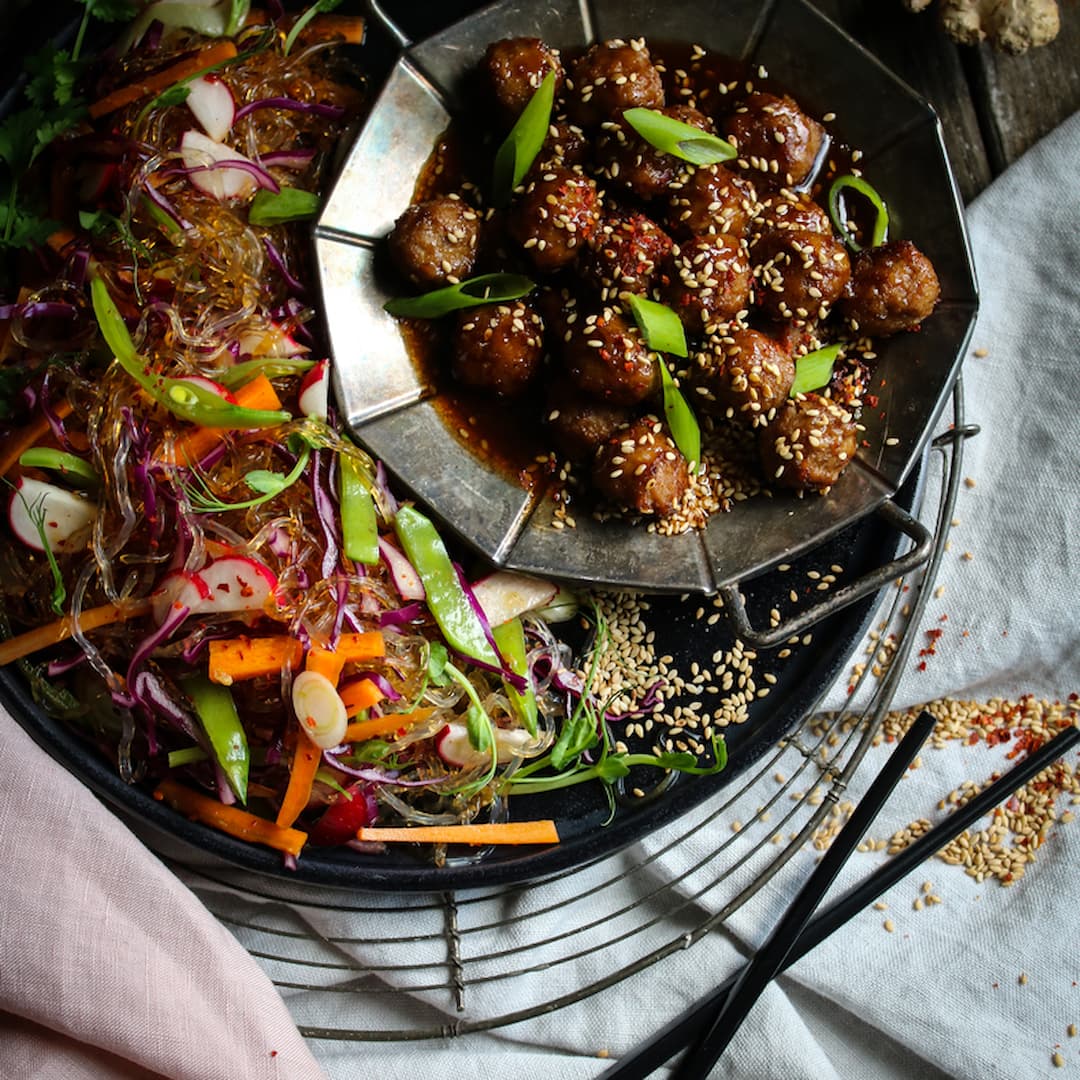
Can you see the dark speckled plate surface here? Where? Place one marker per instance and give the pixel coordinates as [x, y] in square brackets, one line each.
[393, 411]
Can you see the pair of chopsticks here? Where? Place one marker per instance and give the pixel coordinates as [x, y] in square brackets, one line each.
[705, 1029]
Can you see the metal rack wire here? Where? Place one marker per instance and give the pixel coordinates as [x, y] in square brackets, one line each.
[556, 942]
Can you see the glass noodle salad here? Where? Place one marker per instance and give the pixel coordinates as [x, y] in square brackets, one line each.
[200, 570]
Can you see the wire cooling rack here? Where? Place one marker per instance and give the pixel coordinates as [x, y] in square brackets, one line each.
[378, 968]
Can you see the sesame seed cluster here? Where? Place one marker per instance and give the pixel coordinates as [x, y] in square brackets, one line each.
[742, 252]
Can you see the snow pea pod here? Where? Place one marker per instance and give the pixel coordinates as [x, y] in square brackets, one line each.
[446, 598]
[217, 713]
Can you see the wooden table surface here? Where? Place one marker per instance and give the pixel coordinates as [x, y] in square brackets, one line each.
[992, 106]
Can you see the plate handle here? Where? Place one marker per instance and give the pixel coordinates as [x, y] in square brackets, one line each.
[375, 10]
[893, 515]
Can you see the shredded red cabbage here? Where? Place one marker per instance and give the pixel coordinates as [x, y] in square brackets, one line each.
[401, 616]
[376, 776]
[331, 112]
[262, 177]
[278, 262]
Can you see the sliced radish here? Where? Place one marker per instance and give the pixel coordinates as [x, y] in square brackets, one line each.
[315, 391]
[198, 151]
[211, 385]
[212, 104]
[506, 594]
[67, 517]
[319, 708]
[237, 583]
[178, 588]
[453, 746]
[405, 578]
[271, 341]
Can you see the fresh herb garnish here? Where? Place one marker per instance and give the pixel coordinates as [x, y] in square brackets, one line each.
[270, 366]
[36, 512]
[485, 289]
[518, 151]
[315, 9]
[814, 370]
[268, 483]
[279, 207]
[839, 218]
[671, 136]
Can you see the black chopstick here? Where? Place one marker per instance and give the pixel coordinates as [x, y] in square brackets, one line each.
[691, 1024]
[769, 958]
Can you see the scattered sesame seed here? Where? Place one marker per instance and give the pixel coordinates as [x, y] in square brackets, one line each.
[888, 925]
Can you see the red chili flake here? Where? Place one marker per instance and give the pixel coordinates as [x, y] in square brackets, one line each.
[921, 666]
[872, 400]
[944, 618]
[973, 738]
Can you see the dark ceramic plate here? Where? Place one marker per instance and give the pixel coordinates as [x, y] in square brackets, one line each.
[396, 413]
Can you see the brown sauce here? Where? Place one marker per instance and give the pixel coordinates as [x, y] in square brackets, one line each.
[507, 435]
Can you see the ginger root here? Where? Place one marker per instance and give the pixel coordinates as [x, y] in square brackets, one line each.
[1013, 26]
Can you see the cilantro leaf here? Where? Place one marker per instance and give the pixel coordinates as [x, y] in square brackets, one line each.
[19, 138]
[52, 77]
[110, 10]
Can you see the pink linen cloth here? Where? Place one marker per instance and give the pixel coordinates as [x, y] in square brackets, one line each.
[109, 966]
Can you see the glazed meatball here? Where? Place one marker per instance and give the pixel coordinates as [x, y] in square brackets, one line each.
[800, 274]
[640, 468]
[624, 255]
[565, 145]
[554, 217]
[639, 166]
[579, 425]
[498, 347]
[776, 137]
[790, 211]
[611, 77]
[515, 69]
[707, 281]
[434, 242]
[750, 376]
[808, 444]
[606, 358]
[893, 287]
[711, 199]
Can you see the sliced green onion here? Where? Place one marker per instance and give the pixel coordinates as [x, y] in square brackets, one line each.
[75, 469]
[681, 419]
[671, 136]
[510, 641]
[515, 157]
[485, 289]
[359, 524]
[814, 370]
[660, 326]
[280, 207]
[881, 218]
[188, 756]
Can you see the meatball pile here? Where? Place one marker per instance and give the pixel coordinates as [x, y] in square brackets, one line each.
[742, 251]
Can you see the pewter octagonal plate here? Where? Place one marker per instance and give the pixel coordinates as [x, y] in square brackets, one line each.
[392, 412]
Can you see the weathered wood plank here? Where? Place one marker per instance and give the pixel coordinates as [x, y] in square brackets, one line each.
[1022, 98]
[913, 47]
